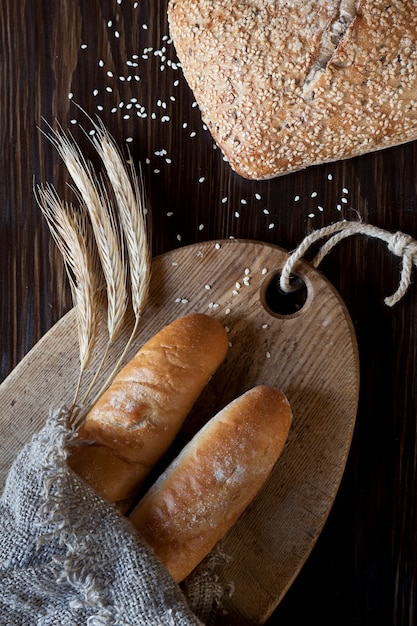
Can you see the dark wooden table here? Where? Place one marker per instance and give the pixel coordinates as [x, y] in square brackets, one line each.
[117, 61]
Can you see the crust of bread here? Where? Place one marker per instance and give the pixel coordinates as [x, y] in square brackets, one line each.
[215, 477]
[137, 418]
[285, 85]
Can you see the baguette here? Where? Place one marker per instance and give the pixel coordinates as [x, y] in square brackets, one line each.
[283, 85]
[207, 487]
[137, 418]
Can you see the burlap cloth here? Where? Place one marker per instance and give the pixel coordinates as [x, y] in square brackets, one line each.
[69, 558]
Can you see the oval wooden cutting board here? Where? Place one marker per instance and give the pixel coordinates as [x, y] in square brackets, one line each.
[310, 354]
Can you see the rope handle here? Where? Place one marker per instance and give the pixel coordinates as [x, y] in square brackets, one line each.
[400, 244]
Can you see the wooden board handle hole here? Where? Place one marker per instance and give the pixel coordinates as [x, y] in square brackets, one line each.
[280, 303]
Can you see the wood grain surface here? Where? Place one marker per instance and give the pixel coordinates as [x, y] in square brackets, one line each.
[363, 569]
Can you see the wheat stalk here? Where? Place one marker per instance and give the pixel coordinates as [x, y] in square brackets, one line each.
[91, 191]
[128, 191]
[70, 231]
[113, 216]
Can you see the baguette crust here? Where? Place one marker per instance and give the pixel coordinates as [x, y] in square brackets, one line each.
[283, 85]
[137, 418]
[207, 487]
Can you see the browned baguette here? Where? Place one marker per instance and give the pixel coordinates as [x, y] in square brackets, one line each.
[286, 85]
[137, 418]
[207, 487]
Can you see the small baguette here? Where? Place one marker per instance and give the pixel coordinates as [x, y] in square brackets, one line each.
[207, 487]
[137, 418]
[283, 85]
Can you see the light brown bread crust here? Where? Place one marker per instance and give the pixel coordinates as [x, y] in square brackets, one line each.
[137, 418]
[283, 85]
[203, 492]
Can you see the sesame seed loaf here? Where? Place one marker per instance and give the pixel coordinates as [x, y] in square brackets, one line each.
[283, 85]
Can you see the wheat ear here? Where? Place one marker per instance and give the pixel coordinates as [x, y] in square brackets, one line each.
[70, 231]
[128, 191]
[91, 191]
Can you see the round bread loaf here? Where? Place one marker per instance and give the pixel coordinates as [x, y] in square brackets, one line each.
[207, 487]
[137, 418]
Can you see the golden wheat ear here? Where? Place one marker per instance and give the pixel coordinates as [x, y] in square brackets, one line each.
[111, 219]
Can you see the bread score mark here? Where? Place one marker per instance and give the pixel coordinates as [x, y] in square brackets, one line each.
[330, 41]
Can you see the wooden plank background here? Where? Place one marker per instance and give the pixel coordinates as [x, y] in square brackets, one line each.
[116, 60]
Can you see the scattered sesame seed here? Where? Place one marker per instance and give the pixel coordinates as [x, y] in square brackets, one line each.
[264, 271]
[314, 194]
[264, 326]
[83, 46]
[258, 196]
[268, 355]
[201, 179]
[217, 246]
[271, 226]
[296, 198]
[344, 190]
[329, 176]
[207, 286]
[227, 311]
